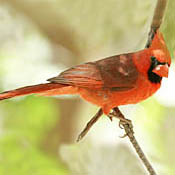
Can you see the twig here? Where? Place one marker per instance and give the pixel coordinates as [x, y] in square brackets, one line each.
[90, 124]
[130, 133]
[157, 20]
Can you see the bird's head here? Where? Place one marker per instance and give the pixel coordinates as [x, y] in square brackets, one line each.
[160, 59]
[154, 62]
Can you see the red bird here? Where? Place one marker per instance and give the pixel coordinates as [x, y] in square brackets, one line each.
[118, 80]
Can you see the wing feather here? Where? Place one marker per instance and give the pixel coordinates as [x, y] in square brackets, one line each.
[85, 75]
[116, 72]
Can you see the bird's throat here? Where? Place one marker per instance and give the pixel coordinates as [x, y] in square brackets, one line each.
[154, 78]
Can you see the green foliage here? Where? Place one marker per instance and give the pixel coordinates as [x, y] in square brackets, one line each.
[153, 120]
[25, 123]
[168, 26]
[158, 126]
[23, 158]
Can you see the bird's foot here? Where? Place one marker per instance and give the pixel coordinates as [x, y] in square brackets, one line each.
[123, 122]
[126, 123]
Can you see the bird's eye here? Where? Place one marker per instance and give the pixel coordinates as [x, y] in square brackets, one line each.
[154, 61]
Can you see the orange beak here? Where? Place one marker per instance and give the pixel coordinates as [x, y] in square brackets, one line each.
[161, 70]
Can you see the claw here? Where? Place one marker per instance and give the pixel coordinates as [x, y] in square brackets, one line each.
[123, 136]
[110, 117]
[120, 125]
[124, 121]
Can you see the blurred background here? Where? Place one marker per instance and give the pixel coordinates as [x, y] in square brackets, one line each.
[41, 38]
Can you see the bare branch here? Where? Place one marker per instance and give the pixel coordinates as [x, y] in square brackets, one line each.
[130, 133]
[90, 124]
[157, 20]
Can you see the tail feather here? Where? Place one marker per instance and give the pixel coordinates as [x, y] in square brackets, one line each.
[35, 89]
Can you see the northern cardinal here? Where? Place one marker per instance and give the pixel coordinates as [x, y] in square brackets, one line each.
[110, 82]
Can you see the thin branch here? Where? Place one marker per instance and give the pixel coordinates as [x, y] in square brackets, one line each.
[130, 133]
[90, 124]
[157, 20]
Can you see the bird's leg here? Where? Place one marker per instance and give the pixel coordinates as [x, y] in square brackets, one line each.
[123, 121]
[90, 124]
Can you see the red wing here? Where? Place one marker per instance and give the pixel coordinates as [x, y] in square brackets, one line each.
[85, 75]
[116, 73]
